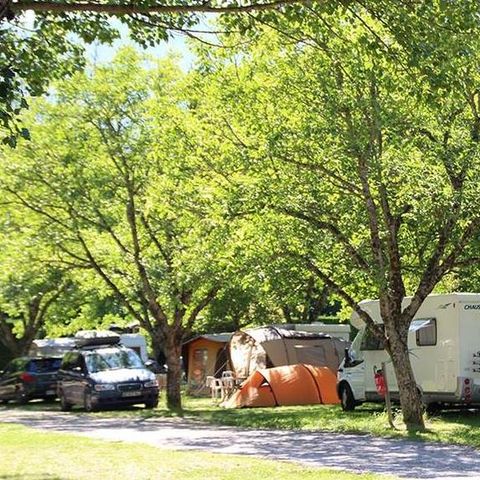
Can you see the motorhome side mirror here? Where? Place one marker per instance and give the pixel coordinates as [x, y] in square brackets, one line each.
[348, 358]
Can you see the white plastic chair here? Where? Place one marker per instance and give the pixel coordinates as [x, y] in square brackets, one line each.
[228, 383]
[215, 386]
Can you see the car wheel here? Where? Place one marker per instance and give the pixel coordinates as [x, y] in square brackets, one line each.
[432, 409]
[87, 402]
[151, 404]
[346, 397]
[21, 397]
[64, 405]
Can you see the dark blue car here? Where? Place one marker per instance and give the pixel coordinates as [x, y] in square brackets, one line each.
[105, 375]
[26, 378]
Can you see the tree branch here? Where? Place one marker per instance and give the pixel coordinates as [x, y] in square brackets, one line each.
[374, 327]
[154, 307]
[130, 9]
[201, 305]
[335, 231]
[96, 266]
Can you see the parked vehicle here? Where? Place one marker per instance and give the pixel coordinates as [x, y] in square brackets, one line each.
[444, 345]
[102, 372]
[26, 378]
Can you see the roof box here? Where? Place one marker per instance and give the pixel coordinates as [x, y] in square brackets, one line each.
[90, 338]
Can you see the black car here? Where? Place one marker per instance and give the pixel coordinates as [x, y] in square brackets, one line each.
[26, 378]
[105, 375]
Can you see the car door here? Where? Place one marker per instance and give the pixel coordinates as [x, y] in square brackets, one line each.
[13, 383]
[353, 372]
[67, 378]
[79, 380]
[6, 390]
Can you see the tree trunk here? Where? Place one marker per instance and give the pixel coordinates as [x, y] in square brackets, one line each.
[410, 399]
[158, 343]
[174, 374]
[17, 346]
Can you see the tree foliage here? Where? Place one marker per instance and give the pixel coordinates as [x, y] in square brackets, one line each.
[117, 177]
[32, 286]
[363, 140]
[52, 46]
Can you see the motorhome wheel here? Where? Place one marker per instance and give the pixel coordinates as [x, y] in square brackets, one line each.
[346, 397]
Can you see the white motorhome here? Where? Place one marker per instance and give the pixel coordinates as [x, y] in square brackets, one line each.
[444, 346]
[136, 342]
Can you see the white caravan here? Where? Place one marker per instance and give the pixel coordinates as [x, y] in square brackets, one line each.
[444, 346]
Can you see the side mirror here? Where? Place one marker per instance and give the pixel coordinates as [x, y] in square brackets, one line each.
[152, 365]
[348, 358]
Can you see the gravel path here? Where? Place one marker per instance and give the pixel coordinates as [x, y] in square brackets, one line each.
[357, 453]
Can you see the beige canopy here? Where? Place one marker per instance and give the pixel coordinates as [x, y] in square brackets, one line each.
[257, 348]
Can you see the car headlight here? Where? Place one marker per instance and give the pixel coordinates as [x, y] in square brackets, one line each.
[151, 384]
[102, 387]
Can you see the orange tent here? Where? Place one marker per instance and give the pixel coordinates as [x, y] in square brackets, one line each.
[299, 384]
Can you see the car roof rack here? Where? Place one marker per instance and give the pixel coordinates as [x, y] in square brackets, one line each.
[96, 338]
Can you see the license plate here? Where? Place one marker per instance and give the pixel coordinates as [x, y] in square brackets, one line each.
[135, 393]
[50, 392]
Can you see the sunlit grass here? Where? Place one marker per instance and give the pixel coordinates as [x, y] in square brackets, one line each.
[29, 454]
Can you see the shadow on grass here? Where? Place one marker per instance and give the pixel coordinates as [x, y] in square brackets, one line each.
[35, 406]
[317, 417]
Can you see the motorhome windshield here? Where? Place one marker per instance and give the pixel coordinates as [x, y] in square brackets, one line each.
[371, 342]
[110, 359]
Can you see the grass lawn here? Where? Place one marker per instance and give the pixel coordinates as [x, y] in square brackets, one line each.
[29, 454]
[460, 427]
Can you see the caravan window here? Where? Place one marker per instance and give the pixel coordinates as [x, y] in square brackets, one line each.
[425, 331]
[371, 342]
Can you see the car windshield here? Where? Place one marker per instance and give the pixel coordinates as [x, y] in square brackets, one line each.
[110, 359]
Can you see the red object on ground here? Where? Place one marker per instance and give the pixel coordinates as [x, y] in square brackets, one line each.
[380, 383]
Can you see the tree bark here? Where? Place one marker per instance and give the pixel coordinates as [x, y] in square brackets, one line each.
[130, 9]
[173, 350]
[410, 399]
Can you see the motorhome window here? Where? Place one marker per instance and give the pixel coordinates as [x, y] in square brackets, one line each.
[371, 342]
[426, 332]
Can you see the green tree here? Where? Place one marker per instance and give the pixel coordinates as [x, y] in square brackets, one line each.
[53, 47]
[367, 148]
[118, 178]
[31, 285]
[31, 56]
